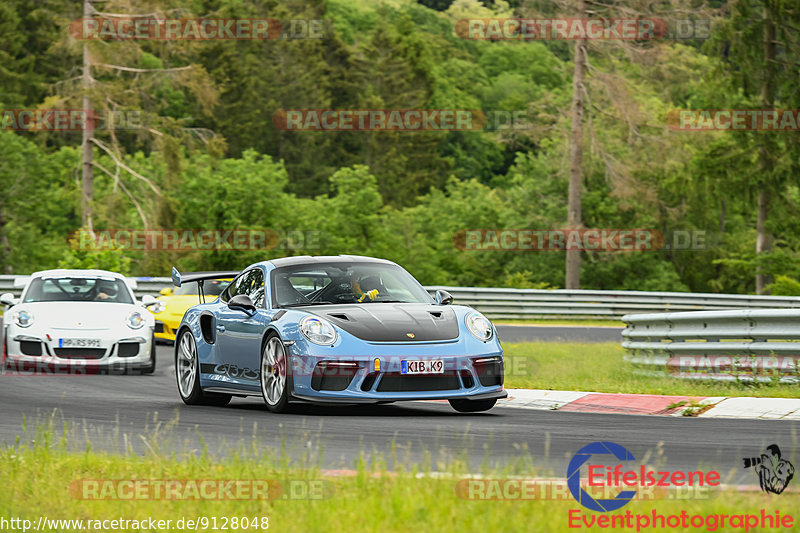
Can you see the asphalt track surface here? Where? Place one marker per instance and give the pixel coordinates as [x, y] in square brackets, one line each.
[144, 412]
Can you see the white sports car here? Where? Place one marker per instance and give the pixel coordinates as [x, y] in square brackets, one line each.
[78, 320]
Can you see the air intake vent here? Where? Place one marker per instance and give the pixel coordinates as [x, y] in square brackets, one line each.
[340, 316]
[332, 375]
[394, 382]
[128, 349]
[489, 370]
[30, 347]
[80, 353]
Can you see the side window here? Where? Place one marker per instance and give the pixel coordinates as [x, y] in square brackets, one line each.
[250, 283]
[256, 287]
[239, 286]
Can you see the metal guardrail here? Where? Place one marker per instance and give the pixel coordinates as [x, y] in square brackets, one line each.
[499, 303]
[743, 345]
[536, 303]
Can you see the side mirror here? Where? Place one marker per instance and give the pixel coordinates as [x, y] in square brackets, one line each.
[443, 297]
[8, 299]
[166, 291]
[148, 300]
[242, 302]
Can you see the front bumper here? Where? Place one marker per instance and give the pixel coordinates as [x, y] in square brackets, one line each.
[356, 379]
[165, 329]
[32, 352]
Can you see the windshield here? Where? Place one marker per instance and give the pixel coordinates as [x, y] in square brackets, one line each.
[211, 287]
[334, 283]
[75, 289]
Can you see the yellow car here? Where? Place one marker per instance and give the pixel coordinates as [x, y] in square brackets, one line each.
[173, 303]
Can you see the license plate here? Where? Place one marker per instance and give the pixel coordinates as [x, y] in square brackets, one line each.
[431, 366]
[79, 343]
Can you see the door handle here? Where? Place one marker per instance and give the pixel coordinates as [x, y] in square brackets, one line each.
[220, 327]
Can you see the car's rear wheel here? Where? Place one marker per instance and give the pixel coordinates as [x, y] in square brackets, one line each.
[472, 406]
[187, 372]
[275, 375]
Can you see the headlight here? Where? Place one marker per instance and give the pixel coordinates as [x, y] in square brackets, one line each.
[135, 320]
[318, 330]
[158, 307]
[479, 326]
[23, 318]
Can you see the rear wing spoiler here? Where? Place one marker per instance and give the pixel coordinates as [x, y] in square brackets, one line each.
[200, 277]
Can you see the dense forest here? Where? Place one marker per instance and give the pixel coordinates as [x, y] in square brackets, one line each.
[197, 142]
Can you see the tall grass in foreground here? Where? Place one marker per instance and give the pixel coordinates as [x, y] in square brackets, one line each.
[601, 368]
[35, 480]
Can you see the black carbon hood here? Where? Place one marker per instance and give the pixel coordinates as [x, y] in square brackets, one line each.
[391, 322]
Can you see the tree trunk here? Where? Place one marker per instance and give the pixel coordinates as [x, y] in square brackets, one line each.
[87, 181]
[763, 238]
[572, 275]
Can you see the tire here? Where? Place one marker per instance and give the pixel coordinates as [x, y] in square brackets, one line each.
[150, 367]
[275, 374]
[472, 406]
[187, 374]
[3, 364]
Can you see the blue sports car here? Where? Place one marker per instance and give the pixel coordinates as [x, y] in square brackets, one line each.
[343, 329]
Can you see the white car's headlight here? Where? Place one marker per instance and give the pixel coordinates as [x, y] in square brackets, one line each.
[23, 318]
[135, 320]
[318, 330]
[158, 307]
[479, 326]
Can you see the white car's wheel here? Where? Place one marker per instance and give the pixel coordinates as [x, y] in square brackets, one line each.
[150, 367]
[275, 375]
[187, 372]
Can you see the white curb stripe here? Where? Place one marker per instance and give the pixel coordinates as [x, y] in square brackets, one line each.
[723, 407]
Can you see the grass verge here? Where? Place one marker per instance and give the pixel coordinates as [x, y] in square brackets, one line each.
[39, 481]
[600, 368]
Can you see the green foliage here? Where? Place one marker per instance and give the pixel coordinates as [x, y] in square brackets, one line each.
[785, 286]
[222, 163]
[104, 256]
[522, 280]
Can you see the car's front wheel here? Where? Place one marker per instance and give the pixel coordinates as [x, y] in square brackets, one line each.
[472, 406]
[187, 371]
[150, 367]
[275, 375]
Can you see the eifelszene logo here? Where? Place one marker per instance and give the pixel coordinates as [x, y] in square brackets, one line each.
[611, 478]
[774, 473]
[574, 476]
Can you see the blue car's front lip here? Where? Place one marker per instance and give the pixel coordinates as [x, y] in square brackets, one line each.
[343, 397]
[459, 370]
